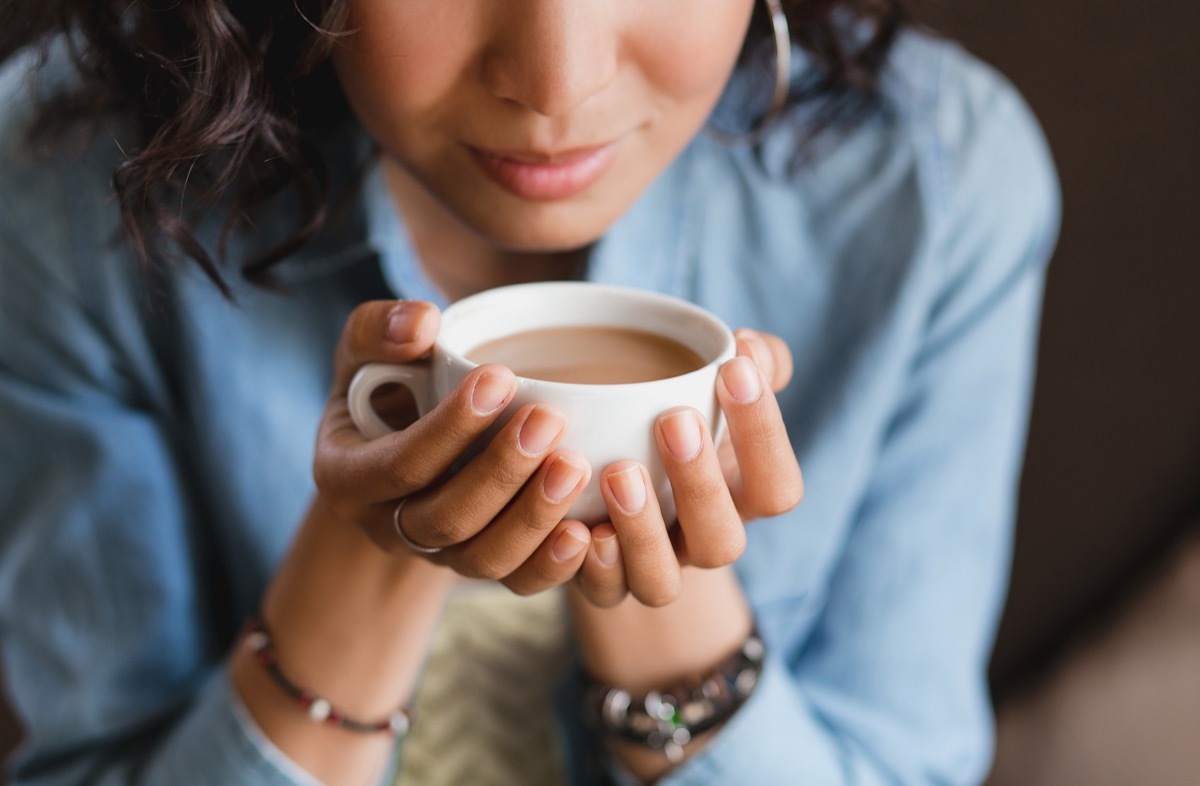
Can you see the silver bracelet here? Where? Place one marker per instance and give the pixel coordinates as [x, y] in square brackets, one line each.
[668, 720]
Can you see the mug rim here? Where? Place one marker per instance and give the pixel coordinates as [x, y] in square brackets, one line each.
[461, 309]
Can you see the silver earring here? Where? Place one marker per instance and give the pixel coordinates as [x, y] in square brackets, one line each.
[783, 77]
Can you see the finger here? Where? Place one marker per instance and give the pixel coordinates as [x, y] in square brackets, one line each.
[398, 464]
[710, 526]
[465, 503]
[602, 575]
[769, 352]
[508, 540]
[651, 568]
[768, 480]
[384, 331]
[554, 562]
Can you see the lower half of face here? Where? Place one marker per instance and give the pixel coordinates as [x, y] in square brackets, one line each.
[536, 123]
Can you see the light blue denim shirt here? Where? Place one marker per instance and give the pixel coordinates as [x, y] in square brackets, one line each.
[156, 440]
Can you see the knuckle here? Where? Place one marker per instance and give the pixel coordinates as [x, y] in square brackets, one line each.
[604, 595]
[424, 525]
[530, 523]
[508, 475]
[323, 474]
[478, 566]
[708, 489]
[499, 471]
[604, 587]
[546, 575]
[726, 551]
[758, 429]
[659, 595]
[403, 475]
[609, 599]
[329, 474]
[786, 498]
[636, 540]
[520, 586]
[341, 508]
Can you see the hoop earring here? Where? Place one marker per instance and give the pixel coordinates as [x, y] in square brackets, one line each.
[783, 76]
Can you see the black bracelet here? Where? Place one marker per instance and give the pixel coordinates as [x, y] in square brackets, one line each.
[258, 639]
[668, 720]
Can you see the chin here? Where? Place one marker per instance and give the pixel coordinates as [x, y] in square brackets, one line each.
[544, 229]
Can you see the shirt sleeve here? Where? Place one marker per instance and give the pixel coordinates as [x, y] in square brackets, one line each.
[114, 639]
[890, 686]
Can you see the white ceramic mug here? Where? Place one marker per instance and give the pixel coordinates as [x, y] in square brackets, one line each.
[605, 422]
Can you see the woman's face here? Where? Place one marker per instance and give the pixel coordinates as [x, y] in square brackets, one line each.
[536, 123]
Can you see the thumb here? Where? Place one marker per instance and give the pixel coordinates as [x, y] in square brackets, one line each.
[384, 331]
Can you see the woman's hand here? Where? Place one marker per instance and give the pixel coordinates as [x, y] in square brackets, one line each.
[752, 474]
[499, 515]
[647, 613]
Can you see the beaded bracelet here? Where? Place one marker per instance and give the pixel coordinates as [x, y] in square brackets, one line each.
[258, 639]
[668, 720]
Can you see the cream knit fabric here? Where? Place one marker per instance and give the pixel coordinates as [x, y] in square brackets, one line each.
[483, 713]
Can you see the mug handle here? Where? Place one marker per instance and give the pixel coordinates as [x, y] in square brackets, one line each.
[414, 376]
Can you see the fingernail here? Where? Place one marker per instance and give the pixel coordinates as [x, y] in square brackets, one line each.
[561, 479]
[681, 432]
[629, 489]
[539, 430]
[404, 324]
[491, 390]
[567, 546]
[741, 380]
[607, 550]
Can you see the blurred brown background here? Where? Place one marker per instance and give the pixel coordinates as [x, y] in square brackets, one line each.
[1097, 668]
[1113, 468]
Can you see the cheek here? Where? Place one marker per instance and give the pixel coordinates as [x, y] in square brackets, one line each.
[375, 63]
[689, 54]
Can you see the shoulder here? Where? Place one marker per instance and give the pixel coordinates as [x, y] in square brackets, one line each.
[943, 121]
[71, 293]
[39, 174]
[58, 216]
[980, 153]
[949, 148]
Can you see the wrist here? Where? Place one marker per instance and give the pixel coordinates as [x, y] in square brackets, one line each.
[636, 650]
[669, 719]
[349, 621]
[641, 648]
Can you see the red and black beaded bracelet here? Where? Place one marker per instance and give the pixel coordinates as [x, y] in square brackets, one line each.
[258, 640]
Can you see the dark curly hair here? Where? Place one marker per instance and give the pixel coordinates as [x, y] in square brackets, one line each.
[233, 100]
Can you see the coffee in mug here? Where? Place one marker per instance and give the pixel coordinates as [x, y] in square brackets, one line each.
[618, 357]
[591, 355]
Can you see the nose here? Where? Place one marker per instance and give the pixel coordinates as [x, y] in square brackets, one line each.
[551, 56]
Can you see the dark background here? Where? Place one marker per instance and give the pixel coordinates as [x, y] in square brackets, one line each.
[1113, 465]
[1113, 470]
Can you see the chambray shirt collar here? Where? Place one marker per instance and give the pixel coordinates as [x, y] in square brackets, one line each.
[387, 235]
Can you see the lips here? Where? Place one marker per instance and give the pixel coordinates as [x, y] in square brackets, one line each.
[546, 177]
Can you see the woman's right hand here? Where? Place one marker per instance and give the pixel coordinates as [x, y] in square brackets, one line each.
[498, 516]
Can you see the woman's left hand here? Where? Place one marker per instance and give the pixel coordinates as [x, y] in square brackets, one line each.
[753, 474]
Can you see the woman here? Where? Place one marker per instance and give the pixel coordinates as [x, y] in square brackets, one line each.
[286, 174]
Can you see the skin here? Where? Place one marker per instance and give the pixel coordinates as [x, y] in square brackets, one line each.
[531, 75]
[650, 603]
